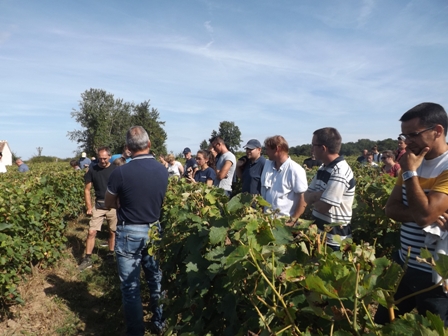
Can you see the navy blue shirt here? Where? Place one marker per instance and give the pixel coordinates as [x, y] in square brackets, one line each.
[204, 175]
[140, 186]
[252, 176]
[190, 163]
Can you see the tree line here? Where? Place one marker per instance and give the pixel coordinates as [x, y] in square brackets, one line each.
[350, 148]
[105, 120]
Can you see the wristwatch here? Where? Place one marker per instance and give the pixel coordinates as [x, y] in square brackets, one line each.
[408, 174]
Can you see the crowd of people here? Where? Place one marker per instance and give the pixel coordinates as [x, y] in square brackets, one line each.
[130, 195]
[389, 158]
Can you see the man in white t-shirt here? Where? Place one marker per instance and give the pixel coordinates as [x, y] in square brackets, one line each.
[225, 166]
[283, 181]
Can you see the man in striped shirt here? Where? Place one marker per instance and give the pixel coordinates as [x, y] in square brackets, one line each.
[419, 199]
[332, 190]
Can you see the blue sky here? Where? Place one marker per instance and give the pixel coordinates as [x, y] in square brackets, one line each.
[272, 67]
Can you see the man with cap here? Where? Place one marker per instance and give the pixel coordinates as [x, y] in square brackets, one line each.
[84, 161]
[250, 167]
[191, 166]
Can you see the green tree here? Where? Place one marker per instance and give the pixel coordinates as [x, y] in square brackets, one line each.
[149, 120]
[105, 121]
[230, 133]
[203, 145]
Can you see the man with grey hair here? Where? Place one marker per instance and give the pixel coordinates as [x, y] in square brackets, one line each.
[22, 166]
[139, 188]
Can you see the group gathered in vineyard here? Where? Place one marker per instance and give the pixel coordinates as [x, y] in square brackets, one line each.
[419, 201]
[259, 245]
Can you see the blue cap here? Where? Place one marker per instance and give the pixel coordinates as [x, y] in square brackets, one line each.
[252, 144]
[186, 150]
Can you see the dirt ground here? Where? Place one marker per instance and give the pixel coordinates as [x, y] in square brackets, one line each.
[63, 301]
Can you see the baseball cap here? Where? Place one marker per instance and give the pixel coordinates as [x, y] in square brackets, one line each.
[186, 150]
[83, 154]
[253, 143]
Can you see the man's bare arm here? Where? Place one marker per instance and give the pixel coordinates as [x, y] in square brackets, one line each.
[222, 174]
[88, 197]
[425, 209]
[322, 207]
[395, 208]
[312, 197]
[298, 211]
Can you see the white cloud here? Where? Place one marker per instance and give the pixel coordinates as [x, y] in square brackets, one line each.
[208, 26]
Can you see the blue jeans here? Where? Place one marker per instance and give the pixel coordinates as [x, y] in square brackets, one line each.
[132, 252]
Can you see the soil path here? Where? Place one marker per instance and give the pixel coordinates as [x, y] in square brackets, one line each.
[63, 301]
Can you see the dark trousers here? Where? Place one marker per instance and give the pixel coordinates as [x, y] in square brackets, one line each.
[435, 301]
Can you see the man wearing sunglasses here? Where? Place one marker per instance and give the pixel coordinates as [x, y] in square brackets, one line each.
[418, 200]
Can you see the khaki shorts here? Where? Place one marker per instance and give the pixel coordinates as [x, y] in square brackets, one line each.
[98, 216]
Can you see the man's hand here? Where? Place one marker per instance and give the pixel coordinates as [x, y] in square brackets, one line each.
[291, 221]
[442, 221]
[410, 161]
[89, 212]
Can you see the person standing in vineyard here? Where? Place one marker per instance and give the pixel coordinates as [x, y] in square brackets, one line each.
[225, 165]
[250, 167]
[332, 190]
[418, 200]
[401, 149]
[390, 166]
[84, 161]
[97, 175]
[283, 181]
[206, 172]
[137, 190]
[23, 168]
[191, 166]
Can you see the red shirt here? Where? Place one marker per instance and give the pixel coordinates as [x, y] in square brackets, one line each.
[394, 170]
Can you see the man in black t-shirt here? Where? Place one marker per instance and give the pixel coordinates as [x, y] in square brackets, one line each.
[97, 176]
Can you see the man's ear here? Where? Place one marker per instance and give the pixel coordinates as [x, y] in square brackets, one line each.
[149, 144]
[440, 130]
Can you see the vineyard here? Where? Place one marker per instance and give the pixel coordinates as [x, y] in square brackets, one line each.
[229, 269]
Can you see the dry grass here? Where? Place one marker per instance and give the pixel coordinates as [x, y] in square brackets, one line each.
[63, 301]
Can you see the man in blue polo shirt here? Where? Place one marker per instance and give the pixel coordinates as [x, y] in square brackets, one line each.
[22, 166]
[250, 167]
[137, 190]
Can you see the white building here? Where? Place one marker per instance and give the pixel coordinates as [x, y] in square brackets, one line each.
[6, 152]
